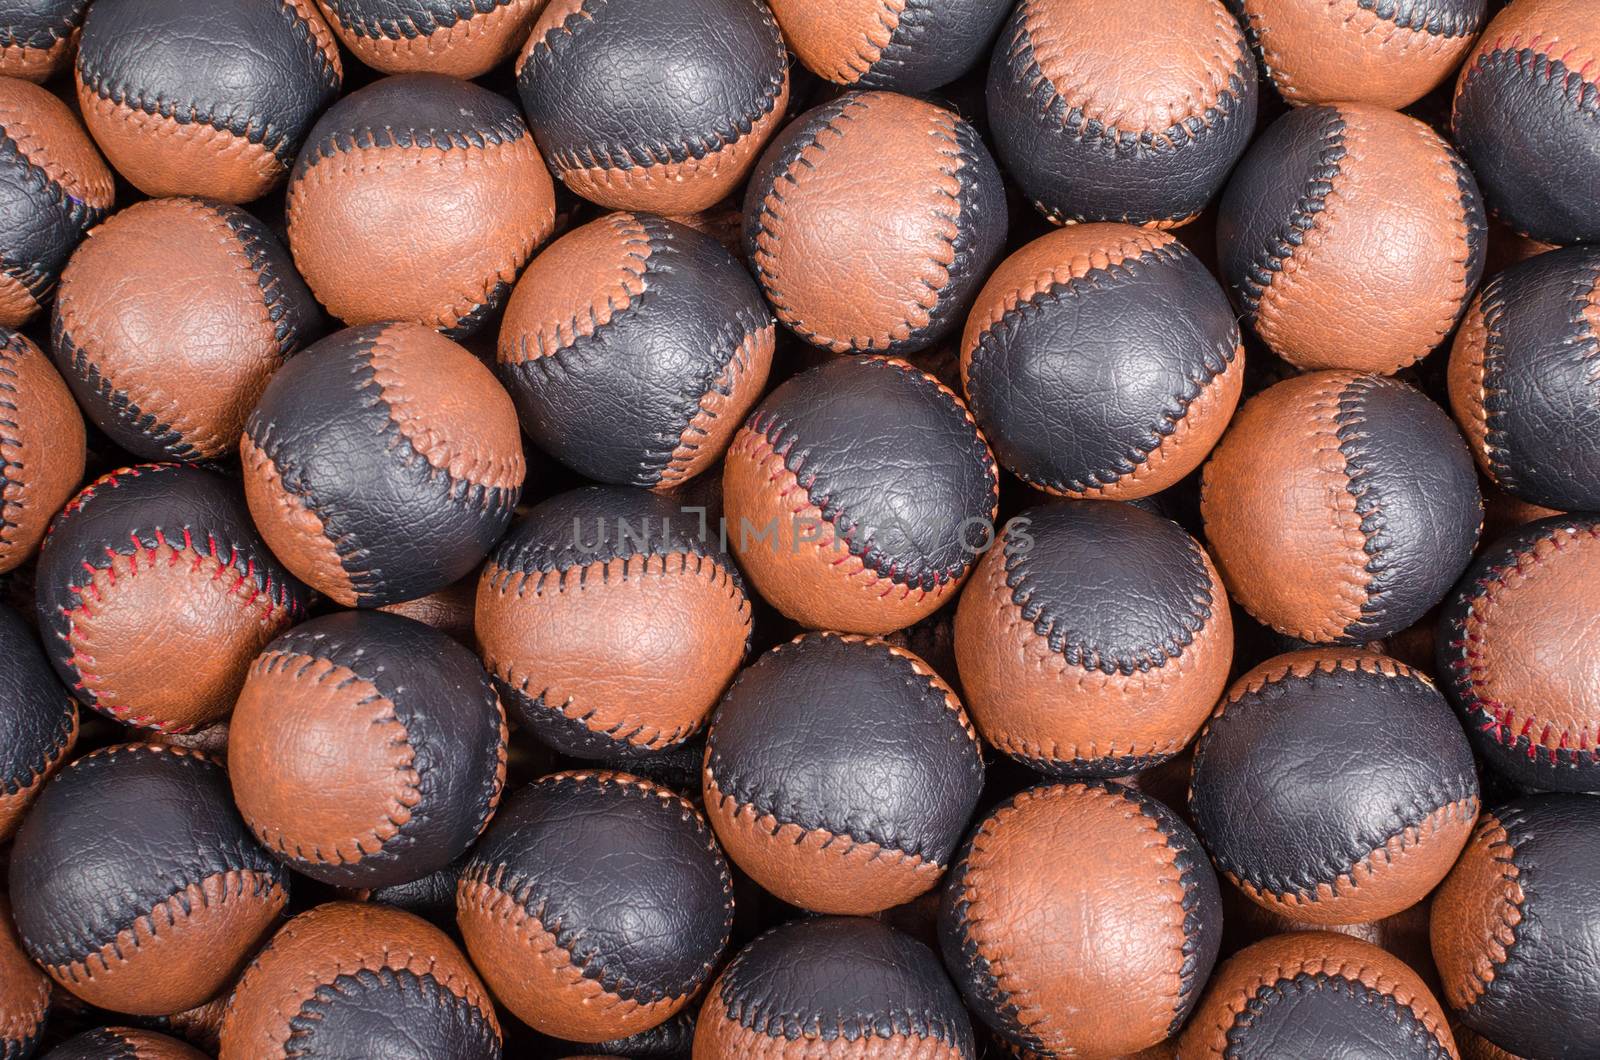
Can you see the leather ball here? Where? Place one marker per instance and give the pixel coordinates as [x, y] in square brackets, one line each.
[38, 722]
[1093, 640]
[41, 447]
[834, 988]
[1524, 116]
[53, 188]
[610, 623]
[1315, 993]
[1351, 237]
[135, 883]
[597, 905]
[37, 37]
[123, 1043]
[418, 198]
[1522, 381]
[872, 220]
[904, 45]
[1513, 928]
[360, 980]
[840, 774]
[858, 494]
[1333, 786]
[216, 105]
[367, 749]
[154, 593]
[633, 348]
[1516, 653]
[1358, 51]
[621, 131]
[431, 36]
[1340, 507]
[1129, 111]
[382, 463]
[449, 610]
[1081, 919]
[24, 993]
[1102, 361]
[171, 318]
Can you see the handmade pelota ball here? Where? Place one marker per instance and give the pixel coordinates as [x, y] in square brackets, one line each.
[1516, 655]
[214, 106]
[24, 993]
[1132, 111]
[1340, 507]
[53, 188]
[1102, 361]
[1093, 639]
[154, 593]
[1524, 117]
[905, 45]
[596, 906]
[634, 347]
[37, 37]
[367, 749]
[620, 131]
[872, 220]
[123, 1043]
[1312, 795]
[1522, 380]
[1513, 927]
[418, 198]
[135, 883]
[346, 979]
[41, 447]
[610, 623]
[840, 774]
[463, 38]
[171, 318]
[833, 988]
[1351, 237]
[382, 463]
[858, 494]
[38, 721]
[1315, 993]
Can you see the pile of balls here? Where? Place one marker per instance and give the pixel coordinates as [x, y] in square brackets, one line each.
[800, 529]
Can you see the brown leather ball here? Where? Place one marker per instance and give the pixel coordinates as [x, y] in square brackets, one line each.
[38, 37]
[41, 447]
[123, 1042]
[24, 992]
[424, 36]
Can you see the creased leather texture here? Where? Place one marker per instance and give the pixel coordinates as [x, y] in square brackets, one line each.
[123, 1043]
[37, 36]
[38, 720]
[24, 993]
[135, 883]
[171, 318]
[154, 593]
[634, 347]
[1132, 111]
[41, 447]
[834, 988]
[1516, 928]
[900, 45]
[382, 463]
[212, 106]
[462, 38]
[672, 1040]
[840, 773]
[1527, 116]
[597, 905]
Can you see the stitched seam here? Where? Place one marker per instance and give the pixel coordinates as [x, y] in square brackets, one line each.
[1389, 1009]
[48, 175]
[1508, 909]
[619, 299]
[712, 406]
[39, 768]
[46, 37]
[1493, 307]
[1299, 228]
[256, 264]
[155, 425]
[841, 843]
[448, 1006]
[419, 22]
[15, 483]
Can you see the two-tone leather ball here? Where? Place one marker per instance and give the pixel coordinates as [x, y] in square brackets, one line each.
[610, 622]
[1522, 381]
[367, 749]
[1351, 237]
[596, 906]
[136, 885]
[123, 1043]
[38, 721]
[169, 321]
[659, 105]
[348, 979]
[859, 494]
[905, 46]
[1102, 361]
[834, 988]
[1513, 928]
[54, 187]
[37, 37]
[24, 993]
[1515, 651]
[42, 450]
[382, 463]
[840, 773]
[418, 198]
[1340, 507]
[1081, 919]
[462, 38]
[212, 102]
[1132, 111]
[1524, 117]
[872, 220]
[154, 592]
[1333, 786]
[634, 347]
[1093, 639]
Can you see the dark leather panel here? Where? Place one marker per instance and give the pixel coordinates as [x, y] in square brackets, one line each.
[407, 19]
[39, 23]
[597, 524]
[934, 42]
[1438, 18]
[116, 1043]
[37, 714]
[433, 897]
[1331, 1018]
[672, 1040]
[393, 1014]
[40, 221]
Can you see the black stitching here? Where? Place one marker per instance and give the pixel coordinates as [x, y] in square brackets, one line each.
[420, 22]
[1268, 261]
[1269, 994]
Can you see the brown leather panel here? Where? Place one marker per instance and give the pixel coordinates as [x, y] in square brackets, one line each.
[24, 988]
[722, 409]
[17, 304]
[1476, 913]
[42, 444]
[48, 136]
[1558, 28]
[1475, 1047]
[574, 287]
[15, 805]
[149, 1045]
[717, 1037]
[839, 40]
[449, 610]
[1466, 385]
[202, 1025]
[37, 64]
[292, 531]
[467, 49]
